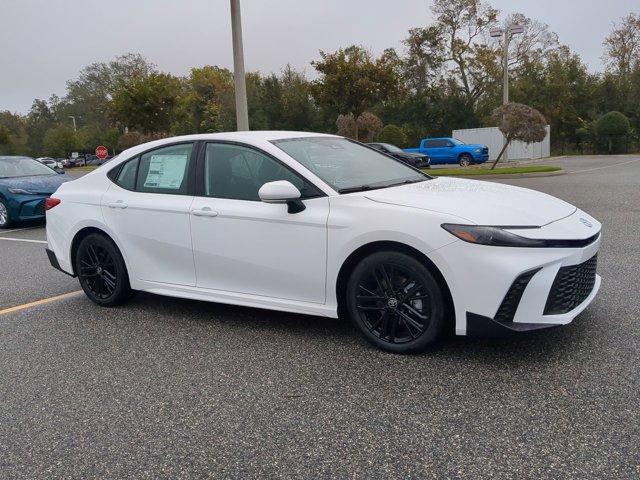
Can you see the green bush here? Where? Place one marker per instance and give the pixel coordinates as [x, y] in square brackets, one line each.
[612, 123]
[612, 129]
[392, 134]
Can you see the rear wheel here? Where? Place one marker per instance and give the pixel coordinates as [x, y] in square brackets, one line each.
[395, 302]
[465, 160]
[102, 271]
[5, 219]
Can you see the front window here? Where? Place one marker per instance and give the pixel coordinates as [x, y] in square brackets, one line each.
[237, 172]
[11, 167]
[346, 165]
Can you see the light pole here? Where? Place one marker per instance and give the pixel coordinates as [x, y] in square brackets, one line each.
[507, 33]
[72, 117]
[242, 113]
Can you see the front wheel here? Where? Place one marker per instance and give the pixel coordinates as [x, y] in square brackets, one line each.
[465, 160]
[396, 303]
[101, 270]
[5, 218]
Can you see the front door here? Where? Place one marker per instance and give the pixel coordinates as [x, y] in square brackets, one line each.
[148, 209]
[243, 245]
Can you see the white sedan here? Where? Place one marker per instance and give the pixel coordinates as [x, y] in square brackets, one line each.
[322, 225]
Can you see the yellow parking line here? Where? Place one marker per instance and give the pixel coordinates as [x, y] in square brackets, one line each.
[42, 301]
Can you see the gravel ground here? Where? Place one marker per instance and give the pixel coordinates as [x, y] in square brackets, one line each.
[173, 388]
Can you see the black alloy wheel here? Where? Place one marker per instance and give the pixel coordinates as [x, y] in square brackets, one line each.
[395, 302]
[102, 271]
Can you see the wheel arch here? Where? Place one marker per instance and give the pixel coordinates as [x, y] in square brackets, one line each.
[83, 233]
[462, 154]
[363, 251]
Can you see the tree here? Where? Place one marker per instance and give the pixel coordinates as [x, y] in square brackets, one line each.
[612, 127]
[89, 95]
[519, 122]
[351, 81]
[346, 126]
[392, 134]
[13, 134]
[146, 103]
[60, 141]
[622, 46]
[369, 125]
[39, 119]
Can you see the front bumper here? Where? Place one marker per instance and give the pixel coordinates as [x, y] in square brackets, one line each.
[481, 277]
[27, 207]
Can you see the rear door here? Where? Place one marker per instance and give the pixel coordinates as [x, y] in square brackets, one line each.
[434, 148]
[148, 206]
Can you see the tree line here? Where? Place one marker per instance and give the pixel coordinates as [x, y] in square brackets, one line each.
[448, 75]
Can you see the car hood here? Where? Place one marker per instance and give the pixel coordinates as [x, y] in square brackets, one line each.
[44, 184]
[473, 145]
[482, 203]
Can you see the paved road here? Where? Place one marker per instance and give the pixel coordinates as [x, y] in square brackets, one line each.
[174, 388]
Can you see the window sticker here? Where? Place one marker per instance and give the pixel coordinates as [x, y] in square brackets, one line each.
[166, 171]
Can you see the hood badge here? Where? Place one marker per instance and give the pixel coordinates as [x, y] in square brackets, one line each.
[586, 222]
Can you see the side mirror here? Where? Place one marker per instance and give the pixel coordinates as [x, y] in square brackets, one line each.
[282, 191]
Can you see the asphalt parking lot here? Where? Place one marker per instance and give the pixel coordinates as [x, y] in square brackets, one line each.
[172, 388]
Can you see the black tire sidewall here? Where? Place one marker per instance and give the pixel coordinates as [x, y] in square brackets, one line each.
[122, 291]
[436, 326]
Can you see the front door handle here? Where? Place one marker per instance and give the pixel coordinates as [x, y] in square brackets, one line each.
[119, 204]
[204, 212]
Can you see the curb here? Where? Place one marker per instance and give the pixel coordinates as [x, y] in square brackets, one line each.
[508, 175]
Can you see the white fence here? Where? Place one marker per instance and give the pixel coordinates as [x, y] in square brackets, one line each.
[492, 137]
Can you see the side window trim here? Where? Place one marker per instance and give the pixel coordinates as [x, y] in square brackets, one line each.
[199, 190]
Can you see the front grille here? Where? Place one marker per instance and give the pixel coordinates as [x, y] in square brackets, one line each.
[509, 304]
[571, 287]
[485, 150]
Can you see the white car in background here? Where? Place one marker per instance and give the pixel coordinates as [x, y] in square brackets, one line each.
[50, 162]
[322, 225]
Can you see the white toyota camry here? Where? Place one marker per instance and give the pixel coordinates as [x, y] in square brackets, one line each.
[322, 225]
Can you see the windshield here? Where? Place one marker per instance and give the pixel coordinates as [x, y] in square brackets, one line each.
[457, 142]
[22, 167]
[392, 148]
[346, 165]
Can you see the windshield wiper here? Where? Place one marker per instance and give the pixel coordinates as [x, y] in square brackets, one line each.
[359, 188]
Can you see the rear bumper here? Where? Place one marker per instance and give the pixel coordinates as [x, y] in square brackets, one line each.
[53, 260]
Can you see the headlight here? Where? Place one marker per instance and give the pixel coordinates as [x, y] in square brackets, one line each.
[20, 191]
[494, 236]
[478, 150]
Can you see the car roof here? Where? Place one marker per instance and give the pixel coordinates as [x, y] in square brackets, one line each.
[255, 137]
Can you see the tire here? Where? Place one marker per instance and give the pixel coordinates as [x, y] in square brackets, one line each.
[465, 160]
[5, 217]
[405, 314]
[102, 272]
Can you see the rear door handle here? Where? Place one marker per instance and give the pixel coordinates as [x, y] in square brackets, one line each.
[119, 204]
[204, 212]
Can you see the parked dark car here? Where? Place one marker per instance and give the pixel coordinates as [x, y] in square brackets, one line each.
[417, 160]
[24, 186]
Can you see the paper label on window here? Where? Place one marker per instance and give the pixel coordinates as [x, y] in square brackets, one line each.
[166, 171]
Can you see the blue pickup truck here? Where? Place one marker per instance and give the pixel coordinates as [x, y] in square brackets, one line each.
[451, 150]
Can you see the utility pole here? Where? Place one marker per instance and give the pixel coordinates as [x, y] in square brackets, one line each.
[507, 33]
[242, 112]
[72, 117]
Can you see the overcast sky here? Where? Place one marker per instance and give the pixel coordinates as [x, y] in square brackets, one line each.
[43, 43]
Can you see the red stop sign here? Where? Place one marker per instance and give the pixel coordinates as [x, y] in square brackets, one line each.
[102, 152]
